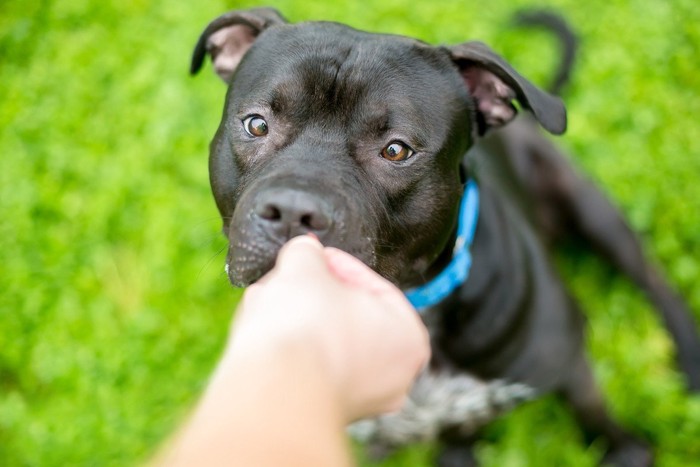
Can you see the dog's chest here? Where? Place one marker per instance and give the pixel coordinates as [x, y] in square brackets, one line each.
[443, 400]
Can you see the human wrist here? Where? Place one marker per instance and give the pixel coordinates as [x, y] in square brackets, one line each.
[278, 391]
[291, 360]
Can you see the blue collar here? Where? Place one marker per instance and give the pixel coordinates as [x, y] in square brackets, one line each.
[457, 272]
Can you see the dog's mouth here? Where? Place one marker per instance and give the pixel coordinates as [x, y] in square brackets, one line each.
[253, 253]
[249, 260]
[246, 264]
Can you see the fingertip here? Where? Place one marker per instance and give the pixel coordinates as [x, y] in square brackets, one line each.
[301, 243]
[301, 253]
[309, 239]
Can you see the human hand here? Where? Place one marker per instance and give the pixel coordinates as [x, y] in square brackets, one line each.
[370, 342]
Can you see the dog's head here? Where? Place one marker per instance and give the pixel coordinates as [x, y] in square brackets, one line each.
[354, 137]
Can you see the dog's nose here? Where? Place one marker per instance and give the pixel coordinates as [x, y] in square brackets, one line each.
[288, 213]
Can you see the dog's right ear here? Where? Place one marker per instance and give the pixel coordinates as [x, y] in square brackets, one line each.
[228, 38]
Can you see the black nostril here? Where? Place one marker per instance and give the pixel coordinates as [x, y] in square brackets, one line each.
[290, 212]
[270, 212]
[306, 220]
[315, 221]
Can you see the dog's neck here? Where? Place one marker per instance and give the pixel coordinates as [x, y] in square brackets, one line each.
[456, 262]
[443, 258]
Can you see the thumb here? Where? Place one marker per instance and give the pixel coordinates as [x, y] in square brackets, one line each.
[301, 256]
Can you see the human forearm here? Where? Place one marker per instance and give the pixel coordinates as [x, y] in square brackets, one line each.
[301, 423]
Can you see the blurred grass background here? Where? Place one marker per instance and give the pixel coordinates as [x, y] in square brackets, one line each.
[113, 301]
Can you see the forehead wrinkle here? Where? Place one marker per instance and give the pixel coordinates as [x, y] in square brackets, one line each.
[396, 115]
[280, 99]
[319, 86]
[398, 91]
[374, 119]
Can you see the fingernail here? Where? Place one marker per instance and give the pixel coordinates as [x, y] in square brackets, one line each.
[313, 239]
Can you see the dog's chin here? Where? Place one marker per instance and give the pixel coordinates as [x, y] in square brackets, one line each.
[246, 264]
[245, 278]
[245, 267]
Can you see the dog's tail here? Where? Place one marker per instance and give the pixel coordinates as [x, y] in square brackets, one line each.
[569, 42]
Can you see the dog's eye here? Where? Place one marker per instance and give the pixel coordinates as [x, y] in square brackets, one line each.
[397, 151]
[255, 125]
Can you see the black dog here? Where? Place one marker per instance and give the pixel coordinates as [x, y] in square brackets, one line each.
[367, 141]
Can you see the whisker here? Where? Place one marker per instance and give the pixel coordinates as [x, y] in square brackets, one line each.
[210, 261]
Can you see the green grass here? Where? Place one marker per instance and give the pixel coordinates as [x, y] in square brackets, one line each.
[113, 303]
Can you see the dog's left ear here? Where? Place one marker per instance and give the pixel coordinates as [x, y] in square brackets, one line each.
[494, 84]
[228, 38]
